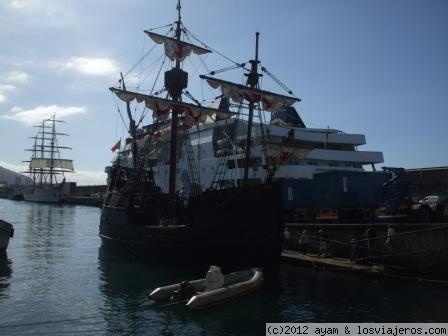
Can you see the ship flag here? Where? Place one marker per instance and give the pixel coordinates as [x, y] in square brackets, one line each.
[116, 146]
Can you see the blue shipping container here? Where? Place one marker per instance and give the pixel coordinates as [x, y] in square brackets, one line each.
[348, 189]
[297, 193]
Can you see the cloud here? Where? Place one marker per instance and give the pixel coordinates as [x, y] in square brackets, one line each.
[6, 87]
[14, 167]
[24, 63]
[3, 89]
[17, 4]
[37, 114]
[89, 66]
[29, 5]
[17, 77]
[42, 13]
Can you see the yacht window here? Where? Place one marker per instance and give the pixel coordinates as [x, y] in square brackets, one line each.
[230, 164]
[254, 162]
[293, 162]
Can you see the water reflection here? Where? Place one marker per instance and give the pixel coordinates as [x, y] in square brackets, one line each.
[58, 271]
[289, 294]
[48, 227]
[327, 296]
[48, 236]
[125, 283]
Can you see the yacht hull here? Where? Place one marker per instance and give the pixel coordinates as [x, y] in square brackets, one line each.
[43, 195]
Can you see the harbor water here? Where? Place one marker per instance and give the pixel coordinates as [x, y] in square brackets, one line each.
[56, 279]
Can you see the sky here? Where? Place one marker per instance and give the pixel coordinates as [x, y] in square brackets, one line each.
[378, 68]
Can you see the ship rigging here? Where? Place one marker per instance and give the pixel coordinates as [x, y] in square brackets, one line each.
[46, 167]
[219, 223]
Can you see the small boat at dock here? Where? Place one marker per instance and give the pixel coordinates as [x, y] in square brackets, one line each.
[6, 232]
[235, 284]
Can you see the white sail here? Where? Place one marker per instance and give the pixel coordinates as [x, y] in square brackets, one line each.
[271, 101]
[176, 50]
[194, 114]
[44, 163]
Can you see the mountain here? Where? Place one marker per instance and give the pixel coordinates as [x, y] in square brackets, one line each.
[9, 177]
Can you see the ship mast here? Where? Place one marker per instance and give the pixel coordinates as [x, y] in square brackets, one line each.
[41, 175]
[252, 93]
[175, 81]
[132, 128]
[252, 82]
[53, 136]
[34, 154]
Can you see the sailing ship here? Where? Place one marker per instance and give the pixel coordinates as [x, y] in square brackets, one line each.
[212, 153]
[46, 167]
[219, 222]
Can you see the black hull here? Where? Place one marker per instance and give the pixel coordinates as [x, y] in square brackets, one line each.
[231, 226]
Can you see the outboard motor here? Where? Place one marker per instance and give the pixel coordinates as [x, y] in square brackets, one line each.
[214, 278]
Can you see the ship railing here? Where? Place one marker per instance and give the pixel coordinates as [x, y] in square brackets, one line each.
[398, 246]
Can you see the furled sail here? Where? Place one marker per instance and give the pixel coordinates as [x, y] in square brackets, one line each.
[270, 101]
[176, 50]
[44, 163]
[194, 114]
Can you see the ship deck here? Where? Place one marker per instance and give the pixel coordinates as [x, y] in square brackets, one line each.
[352, 267]
[332, 263]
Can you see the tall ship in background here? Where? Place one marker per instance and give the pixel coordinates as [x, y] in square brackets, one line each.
[46, 167]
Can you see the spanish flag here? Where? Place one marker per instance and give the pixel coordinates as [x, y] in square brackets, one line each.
[116, 146]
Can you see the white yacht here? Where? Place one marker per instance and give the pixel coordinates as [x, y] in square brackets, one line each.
[284, 148]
